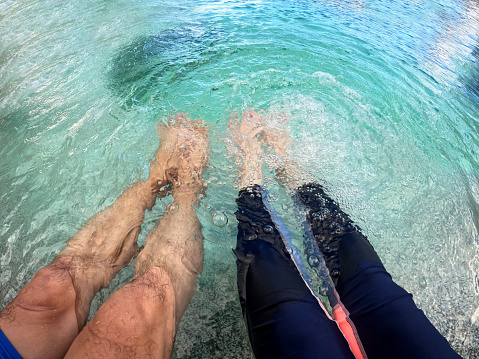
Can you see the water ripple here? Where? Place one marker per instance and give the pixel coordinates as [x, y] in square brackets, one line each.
[383, 98]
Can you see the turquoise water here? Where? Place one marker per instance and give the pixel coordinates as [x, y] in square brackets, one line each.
[383, 102]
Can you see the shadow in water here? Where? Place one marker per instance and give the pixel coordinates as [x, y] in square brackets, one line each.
[471, 81]
[149, 64]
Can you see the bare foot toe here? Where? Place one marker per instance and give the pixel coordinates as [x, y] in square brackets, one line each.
[248, 128]
[183, 153]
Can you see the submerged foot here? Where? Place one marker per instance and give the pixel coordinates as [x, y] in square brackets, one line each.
[184, 153]
[259, 128]
[245, 133]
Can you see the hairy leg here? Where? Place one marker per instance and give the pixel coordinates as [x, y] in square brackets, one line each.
[48, 313]
[141, 318]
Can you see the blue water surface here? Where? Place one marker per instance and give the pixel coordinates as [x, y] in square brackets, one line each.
[382, 99]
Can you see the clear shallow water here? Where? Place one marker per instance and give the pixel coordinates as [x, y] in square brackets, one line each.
[383, 102]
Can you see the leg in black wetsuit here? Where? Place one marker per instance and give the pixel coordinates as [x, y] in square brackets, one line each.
[284, 319]
[387, 320]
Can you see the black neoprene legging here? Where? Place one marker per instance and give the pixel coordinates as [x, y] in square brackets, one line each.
[284, 318]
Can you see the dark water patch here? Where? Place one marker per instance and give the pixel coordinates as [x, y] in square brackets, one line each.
[149, 64]
[14, 122]
[471, 78]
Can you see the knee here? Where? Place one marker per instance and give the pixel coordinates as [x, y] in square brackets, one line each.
[146, 302]
[50, 288]
[139, 313]
[154, 294]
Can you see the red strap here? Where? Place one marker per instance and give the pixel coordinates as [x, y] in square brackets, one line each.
[349, 331]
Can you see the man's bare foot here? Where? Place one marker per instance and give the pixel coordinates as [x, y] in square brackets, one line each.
[183, 153]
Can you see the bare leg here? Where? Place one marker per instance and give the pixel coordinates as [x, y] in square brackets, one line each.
[48, 313]
[141, 318]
